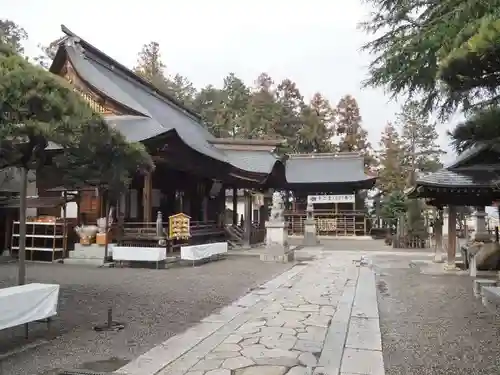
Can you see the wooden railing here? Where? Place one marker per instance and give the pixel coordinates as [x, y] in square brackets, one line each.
[145, 234]
[341, 223]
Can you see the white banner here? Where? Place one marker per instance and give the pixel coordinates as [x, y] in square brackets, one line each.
[27, 303]
[320, 199]
[198, 252]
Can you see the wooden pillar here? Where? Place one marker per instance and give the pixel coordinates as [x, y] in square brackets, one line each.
[452, 235]
[147, 195]
[438, 237]
[235, 206]
[248, 219]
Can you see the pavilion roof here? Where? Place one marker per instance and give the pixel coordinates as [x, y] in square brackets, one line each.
[320, 169]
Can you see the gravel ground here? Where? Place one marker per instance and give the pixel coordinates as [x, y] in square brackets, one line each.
[434, 324]
[153, 304]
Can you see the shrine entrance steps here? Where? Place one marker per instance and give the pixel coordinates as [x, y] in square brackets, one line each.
[234, 236]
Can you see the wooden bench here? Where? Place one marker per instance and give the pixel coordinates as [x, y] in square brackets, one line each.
[28, 303]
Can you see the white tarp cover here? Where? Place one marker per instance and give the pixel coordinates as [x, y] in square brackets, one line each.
[27, 303]
[139, 254]
[198, 252]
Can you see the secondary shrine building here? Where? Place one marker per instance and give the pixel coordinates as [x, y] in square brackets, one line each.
[194, 170]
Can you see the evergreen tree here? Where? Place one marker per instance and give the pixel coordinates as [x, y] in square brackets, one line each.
[12, 35]
[419, 141]
[318, 126]
[349, 126]
[289, 120]
[391, 176]
[36, 108]
[151, 67]
[209, 103]
[263, 110]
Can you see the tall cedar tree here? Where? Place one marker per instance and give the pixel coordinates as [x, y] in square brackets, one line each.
[263, 110]
[318, 126]
[349, 126]
[419, 141]
[151, 67]
[391, 177]
[290, 121]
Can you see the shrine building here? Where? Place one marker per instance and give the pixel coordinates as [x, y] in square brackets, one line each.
[194, 169]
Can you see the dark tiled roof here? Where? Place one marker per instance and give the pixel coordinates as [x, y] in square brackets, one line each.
[252, 160]
[460, 178]
[467, 155]
[346, 167]
[155, 113]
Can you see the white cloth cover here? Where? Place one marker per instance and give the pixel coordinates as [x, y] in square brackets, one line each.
[139, 254]
[198, 252]
[27, 303]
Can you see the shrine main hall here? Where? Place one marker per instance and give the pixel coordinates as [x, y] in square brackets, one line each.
[196, 172]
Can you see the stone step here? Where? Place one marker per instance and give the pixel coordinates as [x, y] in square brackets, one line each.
[84, 262]
[491, 298]
[479, 284]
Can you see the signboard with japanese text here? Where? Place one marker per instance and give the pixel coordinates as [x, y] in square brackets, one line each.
[322, 199]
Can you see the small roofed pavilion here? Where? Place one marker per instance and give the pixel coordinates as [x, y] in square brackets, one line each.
[330, 183]
[473, 179]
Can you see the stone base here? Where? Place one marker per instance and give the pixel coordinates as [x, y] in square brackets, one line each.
[289, 256]
[88, 254]
[439, 257]
[482, 237]
[85, 262]
[310, 237]
[451, 267]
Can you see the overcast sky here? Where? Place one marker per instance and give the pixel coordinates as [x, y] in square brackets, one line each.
[315, 43]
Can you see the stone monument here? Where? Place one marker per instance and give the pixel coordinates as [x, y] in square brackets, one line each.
[310, 238]
[277, 249]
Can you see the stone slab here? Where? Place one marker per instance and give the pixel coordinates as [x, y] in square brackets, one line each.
[364, 333]
[366, 362]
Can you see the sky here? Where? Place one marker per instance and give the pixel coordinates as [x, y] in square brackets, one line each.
[315, 43]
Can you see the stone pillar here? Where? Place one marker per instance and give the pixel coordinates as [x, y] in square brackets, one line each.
[438, 237]
[310, 238]
[277, 249]
[452, 236]
[481, 234]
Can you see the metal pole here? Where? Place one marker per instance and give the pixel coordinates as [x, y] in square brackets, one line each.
[21, 280]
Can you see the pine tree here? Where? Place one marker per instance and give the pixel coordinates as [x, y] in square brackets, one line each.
[349, 126]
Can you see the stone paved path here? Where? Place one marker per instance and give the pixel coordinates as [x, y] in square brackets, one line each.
[320, 317]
